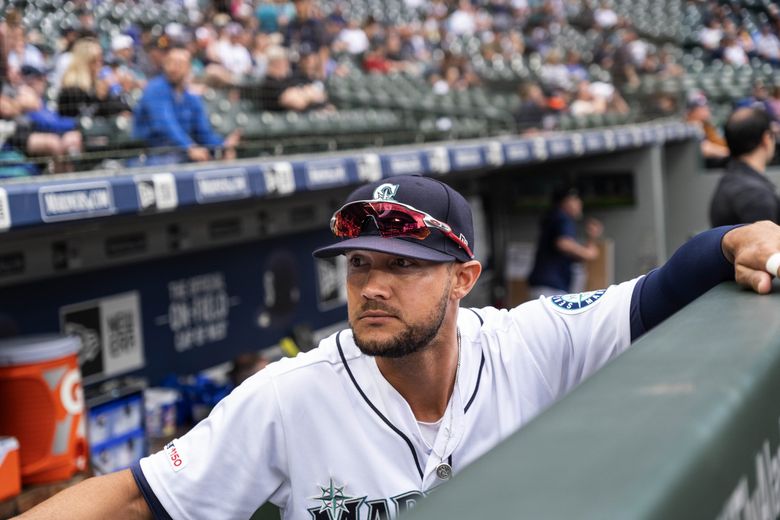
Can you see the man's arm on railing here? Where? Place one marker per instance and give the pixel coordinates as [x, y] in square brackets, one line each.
[700, 264]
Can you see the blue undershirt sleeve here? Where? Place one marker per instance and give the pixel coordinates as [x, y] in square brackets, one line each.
[158, 511]
[695, 268]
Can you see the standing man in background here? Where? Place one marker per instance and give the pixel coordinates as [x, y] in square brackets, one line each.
[557, 250]
[745, 194]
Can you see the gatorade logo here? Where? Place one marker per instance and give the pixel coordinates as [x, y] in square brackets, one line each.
[175, 459]
[71, 393]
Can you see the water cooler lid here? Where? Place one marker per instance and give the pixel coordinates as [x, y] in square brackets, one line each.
[24, 350]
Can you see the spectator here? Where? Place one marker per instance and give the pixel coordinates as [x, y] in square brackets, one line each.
[462, 21]
[39, 132]
[768, 45]
[353, 38]
[732, 52]
[306, 32]
[83, 93]
[273, 16]
[21, 52]
[759, 97]
[70, 35]
[260, 45]
[774, 104]
[558, 250]
[233, 54]
[281, 91]
[713, 145]
[576, 70]
[376, 61]
[710, 35]
[168, 115]
[533, 114]
[554, 73]
[119, 72]
[585, 103]
[206, 60]
[604, 16]
[744, 193]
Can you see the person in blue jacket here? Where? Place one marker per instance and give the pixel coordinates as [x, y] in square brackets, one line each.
[558, 251]
[169, 115]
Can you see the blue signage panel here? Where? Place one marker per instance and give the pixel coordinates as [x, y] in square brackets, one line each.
[187, 312]
[467, 158]
[75, 201]
[517, 152]
[327, 173]
[221, 185]
[560, 147]
[402, 163]
[594, 142]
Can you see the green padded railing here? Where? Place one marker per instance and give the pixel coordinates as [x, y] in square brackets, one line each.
[683, 425]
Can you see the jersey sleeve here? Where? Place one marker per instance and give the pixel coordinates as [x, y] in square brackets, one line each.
[228, 465]
[560, 341]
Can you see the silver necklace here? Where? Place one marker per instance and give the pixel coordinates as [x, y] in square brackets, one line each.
[444, 469]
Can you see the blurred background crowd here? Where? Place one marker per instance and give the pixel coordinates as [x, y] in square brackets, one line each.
[116, 83]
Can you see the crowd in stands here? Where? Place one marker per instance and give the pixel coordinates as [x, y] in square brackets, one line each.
[280, 56]
[729, 35]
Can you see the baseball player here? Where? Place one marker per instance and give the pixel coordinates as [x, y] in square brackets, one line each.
[417, 388]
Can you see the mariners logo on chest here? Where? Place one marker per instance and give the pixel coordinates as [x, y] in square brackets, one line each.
[336, 503]
[576, 303]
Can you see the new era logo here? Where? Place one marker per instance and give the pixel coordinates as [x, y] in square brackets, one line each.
[5, 213]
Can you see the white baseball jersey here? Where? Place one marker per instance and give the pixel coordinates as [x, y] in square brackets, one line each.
[325, 436]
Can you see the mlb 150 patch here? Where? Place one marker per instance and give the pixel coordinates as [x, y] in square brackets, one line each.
[576, 303]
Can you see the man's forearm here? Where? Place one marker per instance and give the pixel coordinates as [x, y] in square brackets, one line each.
[110, 496]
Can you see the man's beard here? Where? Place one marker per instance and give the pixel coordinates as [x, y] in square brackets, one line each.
[414, 339]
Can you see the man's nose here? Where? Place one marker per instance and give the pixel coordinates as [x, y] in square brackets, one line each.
[377, 285]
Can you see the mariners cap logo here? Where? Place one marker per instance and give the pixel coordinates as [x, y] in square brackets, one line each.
[385, 191]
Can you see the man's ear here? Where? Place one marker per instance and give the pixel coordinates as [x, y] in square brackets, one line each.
[768, 139]
[466, 276]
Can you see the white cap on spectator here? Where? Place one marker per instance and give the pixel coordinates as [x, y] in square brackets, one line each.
[120, 42]
[602, 90]
[276, 53]
[174, 30]
[203, 33]
[234, 29]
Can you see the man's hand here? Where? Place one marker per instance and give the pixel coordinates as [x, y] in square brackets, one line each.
[198, 154]
[748, 248]
[232, 139]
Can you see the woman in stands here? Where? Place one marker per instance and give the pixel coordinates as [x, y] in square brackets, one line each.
[82, 93]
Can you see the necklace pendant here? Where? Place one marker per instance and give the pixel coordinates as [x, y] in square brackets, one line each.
[444, 471]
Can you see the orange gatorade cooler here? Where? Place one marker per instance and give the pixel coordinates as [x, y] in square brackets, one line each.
[10, 480]
[42, 405]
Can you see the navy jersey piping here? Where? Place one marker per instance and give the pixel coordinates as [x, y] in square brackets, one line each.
[481, 366]
[157, 509]
[375, 409]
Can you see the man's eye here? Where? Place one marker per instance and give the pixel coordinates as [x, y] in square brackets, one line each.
[403, 262]
[355, 261]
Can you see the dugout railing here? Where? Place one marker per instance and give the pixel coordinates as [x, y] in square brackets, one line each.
[683, 425]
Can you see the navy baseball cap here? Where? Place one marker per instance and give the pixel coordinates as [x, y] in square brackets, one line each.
[424, 194]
